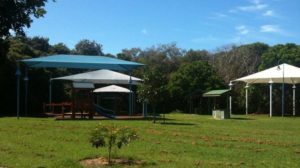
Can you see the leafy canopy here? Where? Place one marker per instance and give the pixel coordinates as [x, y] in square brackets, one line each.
[87, 47]
[15, 15]
[192, 77]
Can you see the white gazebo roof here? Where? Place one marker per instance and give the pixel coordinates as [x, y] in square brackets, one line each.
[103, 76]
[112, 88]
[276, 74]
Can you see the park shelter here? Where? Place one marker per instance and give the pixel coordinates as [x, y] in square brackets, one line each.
[115, 90]
[112, 89]
[81, 62]
[103, 76]
[284, 74]
[220, 112]
[74, 62]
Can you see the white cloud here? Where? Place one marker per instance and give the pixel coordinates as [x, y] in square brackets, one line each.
[269, 13]
[221, 15]
[270, 29]
[256, 1]
[217, 15]
[144, 31]
[242, 30]
[254, 6]
[232, 11]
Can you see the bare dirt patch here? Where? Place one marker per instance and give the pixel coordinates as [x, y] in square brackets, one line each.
[101, 161]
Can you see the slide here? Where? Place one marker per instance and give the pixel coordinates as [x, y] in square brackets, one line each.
[104, 112]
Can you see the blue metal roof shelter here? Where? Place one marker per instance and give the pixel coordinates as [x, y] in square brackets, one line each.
[81, 62]
[72, 61]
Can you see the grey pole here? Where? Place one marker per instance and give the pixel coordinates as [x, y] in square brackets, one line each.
[271, 83]
[18, 75]
[282, 94]
[130, 96]
[26, 91]
[50, 91]
[294, 100]
[133, 103]
[246, 87]
[230, 99]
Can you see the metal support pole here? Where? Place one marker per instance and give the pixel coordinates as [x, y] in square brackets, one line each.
[130, 97]
[294, 100]
[145, 110]
[133, 103]
[26, 92]
[18, 75]
[282, 94]
[271, 83]
[246, 87]
[230, 99]
[50, 91]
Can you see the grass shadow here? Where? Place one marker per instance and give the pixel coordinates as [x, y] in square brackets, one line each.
[150, 118]
[240, 118]
[176, 123]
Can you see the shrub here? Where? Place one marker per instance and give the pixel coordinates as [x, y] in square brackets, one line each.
[111, 136]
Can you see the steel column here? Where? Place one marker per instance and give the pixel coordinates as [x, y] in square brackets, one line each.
[271, 83]
[294, 100]
[246, 87]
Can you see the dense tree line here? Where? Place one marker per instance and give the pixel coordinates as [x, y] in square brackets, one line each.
[174, 78]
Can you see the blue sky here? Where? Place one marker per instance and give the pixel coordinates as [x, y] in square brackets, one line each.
[192, 24]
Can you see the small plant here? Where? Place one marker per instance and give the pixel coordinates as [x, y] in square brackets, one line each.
[111, 136]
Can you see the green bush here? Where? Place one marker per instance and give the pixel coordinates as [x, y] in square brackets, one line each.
[111, 136]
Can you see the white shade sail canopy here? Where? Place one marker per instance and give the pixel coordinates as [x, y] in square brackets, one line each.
[283, 73]
[112, 88]
[103, 76]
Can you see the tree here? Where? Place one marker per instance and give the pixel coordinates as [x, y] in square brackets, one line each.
[230, 59]
[16, 14]
[40, 45]
[286, 53]
[129, 54]
[109, 55]
[112, 137]
[19, 49]
[154, 88]
[60, 48]
[87, 47]
[190, 79]
[22, 47]
[196, 55]
[161, 61]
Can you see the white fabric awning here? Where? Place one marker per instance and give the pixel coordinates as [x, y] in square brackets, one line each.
[103, 76]
[289, 73]
[112, 88]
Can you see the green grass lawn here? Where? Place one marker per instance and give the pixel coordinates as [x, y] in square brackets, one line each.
[184, 141]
